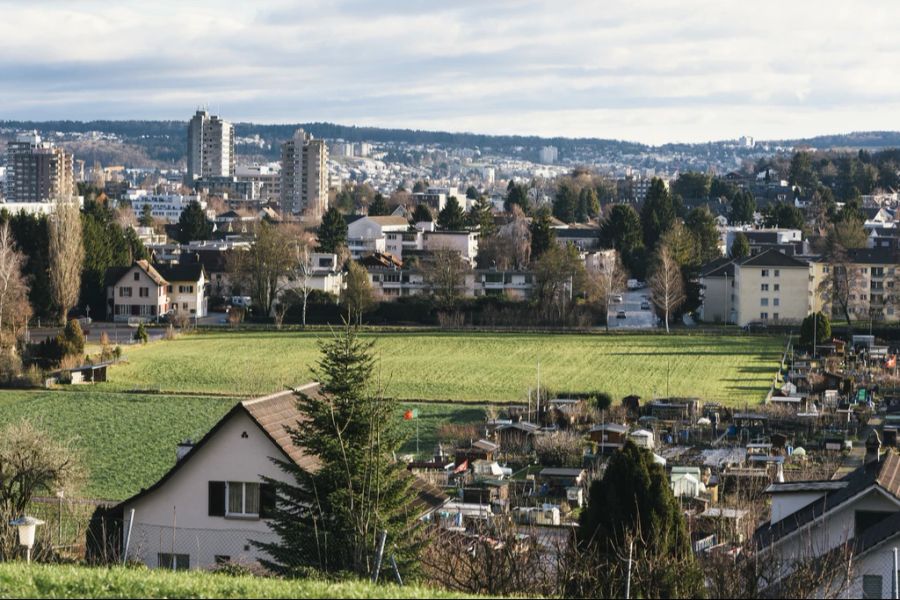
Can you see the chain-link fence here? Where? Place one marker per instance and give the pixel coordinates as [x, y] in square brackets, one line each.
[874, 575]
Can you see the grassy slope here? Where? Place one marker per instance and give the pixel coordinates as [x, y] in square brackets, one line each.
[128, 440]
[468, 367]
[45, 581]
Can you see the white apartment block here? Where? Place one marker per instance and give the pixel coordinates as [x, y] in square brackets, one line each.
[549, 155]
[37, 171]
[210, 151]
[167, 207]
[304, 175]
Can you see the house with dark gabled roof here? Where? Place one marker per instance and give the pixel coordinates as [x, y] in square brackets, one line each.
[213, 503]
[148, 292]
[860, 512]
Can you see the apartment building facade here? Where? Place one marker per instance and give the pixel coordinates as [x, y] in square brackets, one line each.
[210, 147]
[37, 171]
[304, 175]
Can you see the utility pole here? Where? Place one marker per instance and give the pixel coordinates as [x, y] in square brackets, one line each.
[628, 579]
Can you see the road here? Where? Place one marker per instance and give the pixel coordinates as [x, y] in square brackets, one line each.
[635, 318]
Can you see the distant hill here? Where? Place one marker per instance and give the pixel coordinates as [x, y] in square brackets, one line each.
[163, 142]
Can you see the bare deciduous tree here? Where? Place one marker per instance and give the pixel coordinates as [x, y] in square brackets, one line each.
[445, 274]
[66, 256]
[13, 289]
[32, 462]
[666, 284]
[607, 280]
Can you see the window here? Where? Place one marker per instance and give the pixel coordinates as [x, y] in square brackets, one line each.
[777, 287]
[764, 316]
[185, 289]
[137, 276]
[774, 301]
[871, 586]
[775, 316]
[765, 272]
[243, 498]
[124, 292]
[764, 287]
[777, 272]
[763, 301]
[177, 562]
[144, 292]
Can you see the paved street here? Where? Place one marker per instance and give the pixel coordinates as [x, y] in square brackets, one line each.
[635, 318]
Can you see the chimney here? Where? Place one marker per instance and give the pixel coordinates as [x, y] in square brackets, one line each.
[182, 449]
[873, 448]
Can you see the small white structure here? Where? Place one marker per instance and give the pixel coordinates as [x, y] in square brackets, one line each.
[686, 481]
[642, 438]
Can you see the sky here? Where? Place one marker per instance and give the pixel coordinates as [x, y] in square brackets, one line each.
[650, 71]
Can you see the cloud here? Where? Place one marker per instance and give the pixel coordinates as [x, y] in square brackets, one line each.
[652, 71]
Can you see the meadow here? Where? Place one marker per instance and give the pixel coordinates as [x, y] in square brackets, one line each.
[127, 441]
[467, 367]
[67, 581]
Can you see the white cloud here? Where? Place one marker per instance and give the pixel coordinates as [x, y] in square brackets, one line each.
[651, 71]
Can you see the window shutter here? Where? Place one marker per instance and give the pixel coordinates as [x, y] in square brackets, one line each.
[267, 499]
[216, 498]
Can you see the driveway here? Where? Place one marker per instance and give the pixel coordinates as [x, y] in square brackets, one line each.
[635, 318]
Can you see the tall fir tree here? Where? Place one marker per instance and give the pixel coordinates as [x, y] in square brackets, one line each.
[657, 214]
[422, 214]
[193, 224]
[633, 503]
[481, 217]
[329, 516]
[332, 231]
[378, 207]
[542, 234]
[452, 217]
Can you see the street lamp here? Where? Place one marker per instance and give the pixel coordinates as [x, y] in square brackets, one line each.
[27, 526]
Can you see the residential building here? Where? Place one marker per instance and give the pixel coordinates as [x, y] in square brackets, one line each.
[366, 235]
[304, 175]
[266, 178]
[767, 287]
[217, 488]
[37, 171]
[167, 207]
[463, 242]
[787, 241]
[859, 512]
[549, 155]
[210, 147]
[145, 292]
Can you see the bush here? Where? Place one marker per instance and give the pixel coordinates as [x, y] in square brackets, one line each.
[71, 340]
[602, 400]
[141, 334]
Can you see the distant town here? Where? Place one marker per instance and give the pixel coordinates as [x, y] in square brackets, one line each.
[455, 363]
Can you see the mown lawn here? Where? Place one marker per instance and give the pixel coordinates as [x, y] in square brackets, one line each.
[64, 581]
[470, 367]
[127, 441]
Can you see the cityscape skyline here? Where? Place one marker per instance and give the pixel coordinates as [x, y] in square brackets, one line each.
[652, 73]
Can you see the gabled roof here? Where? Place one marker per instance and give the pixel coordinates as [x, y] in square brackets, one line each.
[718, 268]
[182, 272]
[114, 274]
[883, 474]
[274, 414]
[772, 258]
[389, 220]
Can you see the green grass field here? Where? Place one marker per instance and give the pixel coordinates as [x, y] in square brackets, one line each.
[64, 581]
[471, 367]
[127, 441]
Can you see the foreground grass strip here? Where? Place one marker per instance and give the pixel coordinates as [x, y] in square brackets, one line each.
[468, 367]
[63, 581]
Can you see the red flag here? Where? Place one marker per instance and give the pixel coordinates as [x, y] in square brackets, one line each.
[462, 466]
[408, 415]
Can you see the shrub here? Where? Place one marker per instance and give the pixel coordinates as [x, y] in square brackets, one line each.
[72, 339]
[141, 334]
[170, 333]
[602, 400]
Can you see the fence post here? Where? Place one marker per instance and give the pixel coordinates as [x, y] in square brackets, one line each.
[128, 537]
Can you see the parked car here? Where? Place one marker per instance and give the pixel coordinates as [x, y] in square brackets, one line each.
[620, 314]
[755, 326]
[645, 305]
[618, 298]
[241, 301]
